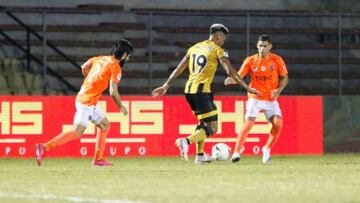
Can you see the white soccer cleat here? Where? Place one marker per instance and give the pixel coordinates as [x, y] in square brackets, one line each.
[202, 159]
[183, 146]
[235, 157]
[266, 154]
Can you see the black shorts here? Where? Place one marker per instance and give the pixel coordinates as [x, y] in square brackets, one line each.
[202, 104]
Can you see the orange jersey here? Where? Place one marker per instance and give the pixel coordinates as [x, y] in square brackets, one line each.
[264, 74]
[104, 69]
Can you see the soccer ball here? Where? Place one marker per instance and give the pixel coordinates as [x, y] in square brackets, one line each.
[221, 151]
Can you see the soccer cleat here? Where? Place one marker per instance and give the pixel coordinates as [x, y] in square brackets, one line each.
[183, 146]
[39, 153]
[101, 162]
[235, 157]
[266, 154]
[202, 159]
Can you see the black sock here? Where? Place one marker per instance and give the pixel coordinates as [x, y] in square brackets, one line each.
[200, 154]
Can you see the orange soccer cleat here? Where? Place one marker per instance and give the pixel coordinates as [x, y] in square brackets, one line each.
[101, 162]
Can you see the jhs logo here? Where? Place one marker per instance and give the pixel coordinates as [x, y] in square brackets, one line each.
[14, 115]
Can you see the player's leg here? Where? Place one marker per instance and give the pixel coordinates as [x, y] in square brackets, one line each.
[199, 135]
[201, 144]
[199, 151]
[252, 111]
[277, 124]
[81, 120]
[201, 156]
[60, 139]
[275, 118]
[204, 130]
[102, 132]
[183, 143]
[103, 127]
[204, 108]
[207, 114]
[200, 147]
[241, 138]
[65, 137]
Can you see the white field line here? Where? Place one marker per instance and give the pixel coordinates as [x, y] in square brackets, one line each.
[63, 198]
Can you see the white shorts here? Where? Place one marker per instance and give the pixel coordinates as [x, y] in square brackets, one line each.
[254, 106]
[84, 114]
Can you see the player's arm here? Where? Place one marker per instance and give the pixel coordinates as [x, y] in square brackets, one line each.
[85, 68]
[231, 72]
[114, 93]
[178, 71]
[283, 78]
[283, 81]
[243, 69]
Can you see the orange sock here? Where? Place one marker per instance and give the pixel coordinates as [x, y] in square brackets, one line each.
[100, 143]
[61, 139]
[240, 141]
[275, 132]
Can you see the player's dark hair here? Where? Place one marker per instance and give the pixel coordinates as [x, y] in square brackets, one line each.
[120, 47]
[266, 38]
[218, 27]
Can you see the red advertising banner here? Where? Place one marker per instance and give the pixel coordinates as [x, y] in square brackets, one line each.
[153, 125]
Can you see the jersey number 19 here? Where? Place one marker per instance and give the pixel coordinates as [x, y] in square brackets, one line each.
[198, 63]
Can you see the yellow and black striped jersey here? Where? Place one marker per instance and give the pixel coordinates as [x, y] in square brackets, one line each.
[203, 61]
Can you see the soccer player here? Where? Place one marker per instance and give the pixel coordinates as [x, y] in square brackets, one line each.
[202, 59]
[99, 73]
[269, 75]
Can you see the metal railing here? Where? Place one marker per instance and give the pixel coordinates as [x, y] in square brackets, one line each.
[155, 16]
[248, 15]
[29, 56]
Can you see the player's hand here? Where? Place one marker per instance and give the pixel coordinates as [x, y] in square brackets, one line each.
[124, 110]
[275, 94]
[254, 91]
[229, 81]
[160, 91]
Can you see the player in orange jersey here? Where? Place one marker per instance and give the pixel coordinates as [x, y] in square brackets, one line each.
[269, 75]
[99, 73]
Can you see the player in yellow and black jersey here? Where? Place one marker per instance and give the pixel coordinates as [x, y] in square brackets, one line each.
[203, 62]
[202, 59]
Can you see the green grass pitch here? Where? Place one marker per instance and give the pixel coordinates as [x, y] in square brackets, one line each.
[328, 178]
